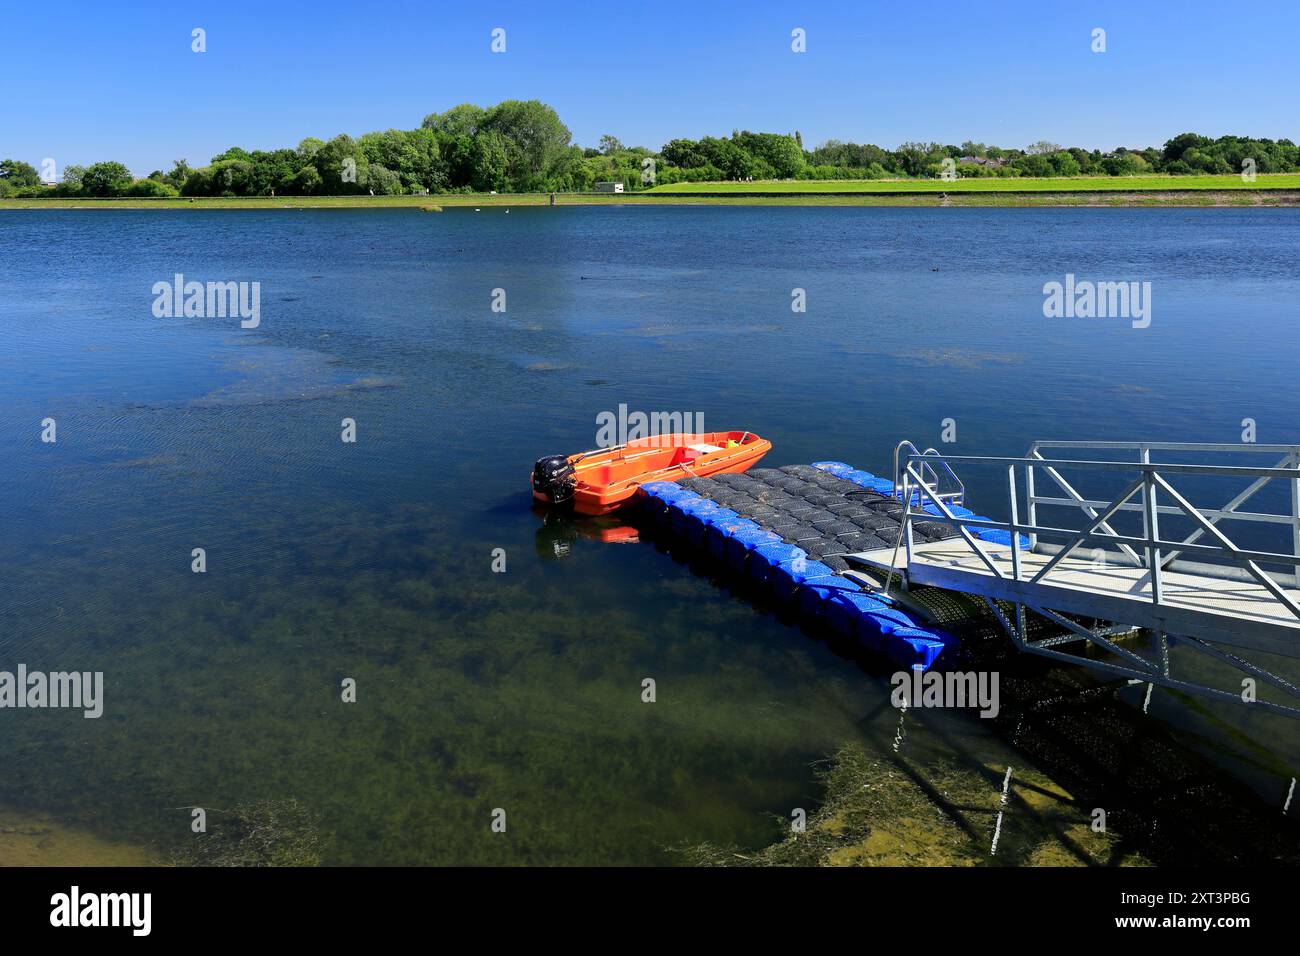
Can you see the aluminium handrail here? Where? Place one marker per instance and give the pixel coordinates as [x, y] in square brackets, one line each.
[957, 495]
[1157, 551]
[1290, 461]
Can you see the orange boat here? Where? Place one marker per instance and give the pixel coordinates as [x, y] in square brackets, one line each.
[600, 481]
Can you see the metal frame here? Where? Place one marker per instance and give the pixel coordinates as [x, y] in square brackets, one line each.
[918, 484]
[1290, 460]
[957, 490]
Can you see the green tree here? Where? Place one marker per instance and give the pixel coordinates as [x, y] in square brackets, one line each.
[233, 153]
[913, 157]
[685, 153]
[198, 183]
[422, 165]
[232, 177]
[533, 137]
[307, 181]
[1175, 148]
[309, 147]
[150, 189]
[778, 155]
[383, 181]
[106, 179]
[18, 174]
[463, 120]
[1122, 164]
[730, 159]
[1064, 164]
[180, 172]
[459, 153]
[1035, 164]
[413, 155]
[342, 166]
[272, 171]
[491, 163]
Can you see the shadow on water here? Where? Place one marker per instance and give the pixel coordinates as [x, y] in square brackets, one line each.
[1097, 781]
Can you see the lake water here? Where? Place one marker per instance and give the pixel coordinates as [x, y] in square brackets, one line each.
[372, 560]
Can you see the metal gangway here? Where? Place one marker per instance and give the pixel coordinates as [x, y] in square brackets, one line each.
[1201, 590]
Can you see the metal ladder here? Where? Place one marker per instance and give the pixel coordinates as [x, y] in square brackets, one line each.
[956, 490]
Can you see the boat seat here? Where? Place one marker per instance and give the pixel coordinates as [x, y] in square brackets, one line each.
[704, 449]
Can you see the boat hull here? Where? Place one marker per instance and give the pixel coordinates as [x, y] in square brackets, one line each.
[605, 480]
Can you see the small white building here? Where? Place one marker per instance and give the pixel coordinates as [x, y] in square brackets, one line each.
[609, 187]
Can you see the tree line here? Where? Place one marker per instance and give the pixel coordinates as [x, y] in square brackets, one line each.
[522, 146]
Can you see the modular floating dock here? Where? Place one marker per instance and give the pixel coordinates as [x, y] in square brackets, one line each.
[902, 567]
[789, 531]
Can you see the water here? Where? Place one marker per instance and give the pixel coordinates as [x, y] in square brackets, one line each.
[372, 560]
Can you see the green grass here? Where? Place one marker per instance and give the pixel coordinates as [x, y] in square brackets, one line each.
[1017, 185]
[1083, 190]
[427, 203]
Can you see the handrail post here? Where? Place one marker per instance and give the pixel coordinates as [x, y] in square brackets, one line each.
[1295, 510]
[907, 514]
[1030, 504]
[1015, 523]
[1151, 524]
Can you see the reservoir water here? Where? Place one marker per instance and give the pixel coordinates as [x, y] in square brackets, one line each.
[372, 560]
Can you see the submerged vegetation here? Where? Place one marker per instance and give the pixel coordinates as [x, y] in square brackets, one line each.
[522, 146]
[264, 833]
[882, 812]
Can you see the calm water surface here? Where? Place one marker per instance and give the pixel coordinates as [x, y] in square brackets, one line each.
[372, 560]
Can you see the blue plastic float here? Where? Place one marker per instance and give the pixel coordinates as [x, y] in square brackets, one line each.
[785, 571]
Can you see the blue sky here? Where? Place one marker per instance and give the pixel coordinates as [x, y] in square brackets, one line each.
[93, 81]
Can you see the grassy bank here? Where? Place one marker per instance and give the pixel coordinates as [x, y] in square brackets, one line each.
[1074, 184]
[1131, 197]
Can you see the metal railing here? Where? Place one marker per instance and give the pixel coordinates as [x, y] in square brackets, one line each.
[1085, 606]
[1290, 459]
[956, 492]
[1149, 483]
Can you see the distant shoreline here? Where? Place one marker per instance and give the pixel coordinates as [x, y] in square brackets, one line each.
[1234, 198]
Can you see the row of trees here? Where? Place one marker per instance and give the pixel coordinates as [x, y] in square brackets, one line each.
[1185, 154]
[522, 146]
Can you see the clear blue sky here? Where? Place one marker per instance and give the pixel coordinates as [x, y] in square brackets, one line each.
[93, 81]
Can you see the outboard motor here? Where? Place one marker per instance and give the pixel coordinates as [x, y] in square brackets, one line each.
[553, 479]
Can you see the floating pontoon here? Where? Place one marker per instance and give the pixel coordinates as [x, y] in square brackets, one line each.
[901, 564]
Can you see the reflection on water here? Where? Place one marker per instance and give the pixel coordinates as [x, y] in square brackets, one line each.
[561, 527]
[522, 690]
